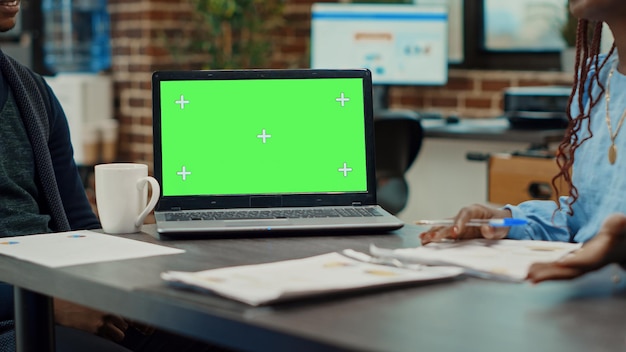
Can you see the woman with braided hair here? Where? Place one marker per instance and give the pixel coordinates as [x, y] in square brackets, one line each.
[591, 159]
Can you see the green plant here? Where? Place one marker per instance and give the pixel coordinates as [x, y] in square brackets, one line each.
[236, 33]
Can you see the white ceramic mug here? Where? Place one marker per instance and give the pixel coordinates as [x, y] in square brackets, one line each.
[121, 196]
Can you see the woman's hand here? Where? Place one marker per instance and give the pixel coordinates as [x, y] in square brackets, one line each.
[608, 246]
[460, 231]
[72, 315]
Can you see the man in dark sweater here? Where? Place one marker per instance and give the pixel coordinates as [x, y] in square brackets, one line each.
[41, 192]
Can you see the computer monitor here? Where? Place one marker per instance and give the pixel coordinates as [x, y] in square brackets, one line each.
[402, 44]
[456, 46]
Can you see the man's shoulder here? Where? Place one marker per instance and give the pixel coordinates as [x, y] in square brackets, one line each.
[19, 76]
[20, 68]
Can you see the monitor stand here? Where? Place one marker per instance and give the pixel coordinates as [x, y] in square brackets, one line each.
[380, 95]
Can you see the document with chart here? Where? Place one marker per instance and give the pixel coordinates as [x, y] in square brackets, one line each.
[313, 276]
[62, 249]
[494, 259]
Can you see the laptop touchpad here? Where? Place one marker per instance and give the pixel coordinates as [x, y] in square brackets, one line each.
[258, 222]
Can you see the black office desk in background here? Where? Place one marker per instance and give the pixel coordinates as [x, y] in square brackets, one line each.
[458, 315]
[491, 129]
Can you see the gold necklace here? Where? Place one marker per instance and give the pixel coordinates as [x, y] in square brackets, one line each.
[607, 99]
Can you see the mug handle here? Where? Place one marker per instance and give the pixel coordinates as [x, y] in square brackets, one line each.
[156, 191]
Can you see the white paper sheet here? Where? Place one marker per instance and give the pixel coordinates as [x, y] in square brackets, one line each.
[494, 259]
[78, 247]
[322, 274]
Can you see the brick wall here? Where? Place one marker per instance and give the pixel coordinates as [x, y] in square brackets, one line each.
[143, 30]
[472, 93]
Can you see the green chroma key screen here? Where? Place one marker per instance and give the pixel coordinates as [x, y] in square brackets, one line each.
[263, 136]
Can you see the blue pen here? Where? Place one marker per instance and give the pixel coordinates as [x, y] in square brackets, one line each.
[506, 222]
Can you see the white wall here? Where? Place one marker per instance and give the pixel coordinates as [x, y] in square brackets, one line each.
[442, 180]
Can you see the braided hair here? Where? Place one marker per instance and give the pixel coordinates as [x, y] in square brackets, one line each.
[588, 39]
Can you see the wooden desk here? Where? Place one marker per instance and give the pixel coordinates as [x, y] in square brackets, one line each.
[459, 315]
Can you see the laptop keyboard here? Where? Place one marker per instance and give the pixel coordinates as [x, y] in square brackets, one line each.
[273, 214]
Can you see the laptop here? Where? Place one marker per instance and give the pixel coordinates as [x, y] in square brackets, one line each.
[261, 152]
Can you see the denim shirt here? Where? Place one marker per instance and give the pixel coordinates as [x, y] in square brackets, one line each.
[601, 185]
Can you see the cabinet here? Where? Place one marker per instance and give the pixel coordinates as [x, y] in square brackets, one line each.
[514, 179]
[87, 100]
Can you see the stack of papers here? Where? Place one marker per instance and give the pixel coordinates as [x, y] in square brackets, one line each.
[78, 247]
[350, 270]
[493, 259]
[284, 280]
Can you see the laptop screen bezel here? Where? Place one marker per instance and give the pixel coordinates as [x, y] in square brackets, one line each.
[167, 203]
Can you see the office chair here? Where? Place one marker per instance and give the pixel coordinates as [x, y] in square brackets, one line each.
[398, 141]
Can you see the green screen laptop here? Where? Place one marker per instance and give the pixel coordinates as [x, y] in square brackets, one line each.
[265, 151]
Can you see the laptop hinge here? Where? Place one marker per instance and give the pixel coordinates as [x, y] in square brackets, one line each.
[176, 209]
[356, 204]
